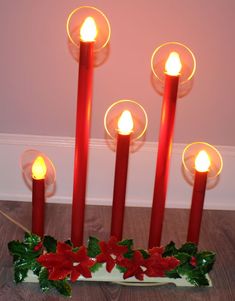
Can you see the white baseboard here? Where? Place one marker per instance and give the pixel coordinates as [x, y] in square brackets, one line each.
[101, 172]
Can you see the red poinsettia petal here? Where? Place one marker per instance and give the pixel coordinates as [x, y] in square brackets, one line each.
[59, 273]
[74, 275]
[81, 254]
[171, 263]
[139, 274]
[103, 247]
[50, 260]
[84, 270]
[101, 258]
[156, 250]
[110, 265]
[62, 247]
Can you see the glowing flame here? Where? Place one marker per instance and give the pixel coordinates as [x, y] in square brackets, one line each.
[173, 64]
[39, 168]
[88, 31]
[202, 161]
[125, 123]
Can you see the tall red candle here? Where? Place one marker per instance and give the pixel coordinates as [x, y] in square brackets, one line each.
[202, 164]
[125, 126]
[84, 97]
[38, 196]
[173, 67]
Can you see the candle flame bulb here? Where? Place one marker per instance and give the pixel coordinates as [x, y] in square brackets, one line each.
[88, 31]
[39, 168]
[125, 123]
[173, 64]
[202, 161]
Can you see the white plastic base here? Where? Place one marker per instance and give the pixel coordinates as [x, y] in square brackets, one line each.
[117, 277]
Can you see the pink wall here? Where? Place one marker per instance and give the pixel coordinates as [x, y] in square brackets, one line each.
[38, 76]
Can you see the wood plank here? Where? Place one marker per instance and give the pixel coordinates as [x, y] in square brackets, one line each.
[218, 234]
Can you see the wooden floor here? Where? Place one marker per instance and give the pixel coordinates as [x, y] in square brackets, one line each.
[218, 234]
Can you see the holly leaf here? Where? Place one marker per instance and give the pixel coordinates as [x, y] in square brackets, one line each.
[17, 248]
[44, 282]
[62, 287]
[172, 274]
[183, 258]
[128, 243]
[93, 248]
[189, 248]
[170, 250]
[50, 244]
[96, 267]
[31, 240]
[197, 278]
[205, 260]
[144, 253]
[20, 274]
[69, 242]
[121, 269]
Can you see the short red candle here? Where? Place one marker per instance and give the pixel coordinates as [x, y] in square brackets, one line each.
[38, 196]
[164, 154]
[198, 196]
[84, 98]
[120, 178]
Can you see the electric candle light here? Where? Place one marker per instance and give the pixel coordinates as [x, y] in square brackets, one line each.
[202, 165]
[172, 72]
[88, 35]
[125, 126]
[39, 171]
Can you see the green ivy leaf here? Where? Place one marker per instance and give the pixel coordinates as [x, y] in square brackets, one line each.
[93, 248]
[96, 267]
[50, 244]
[170, 250]
[189, 248]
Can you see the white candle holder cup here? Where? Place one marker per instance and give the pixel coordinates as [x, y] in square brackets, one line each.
[101, 44]
[188, 163]
[140, 123]
[26, 162]
[158, 60]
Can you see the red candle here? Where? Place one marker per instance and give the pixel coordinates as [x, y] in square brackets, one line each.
[87, 37]
[38, 195]
[125, 126]
[173, 67]
[202, 164]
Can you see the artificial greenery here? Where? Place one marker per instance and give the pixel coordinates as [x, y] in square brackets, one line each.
[56, 263]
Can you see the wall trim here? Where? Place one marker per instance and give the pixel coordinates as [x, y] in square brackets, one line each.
[101, 169]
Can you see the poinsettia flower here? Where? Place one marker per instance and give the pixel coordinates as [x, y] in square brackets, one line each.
[157, 266]
[66, 263]
[110, 252]
[135, 266]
